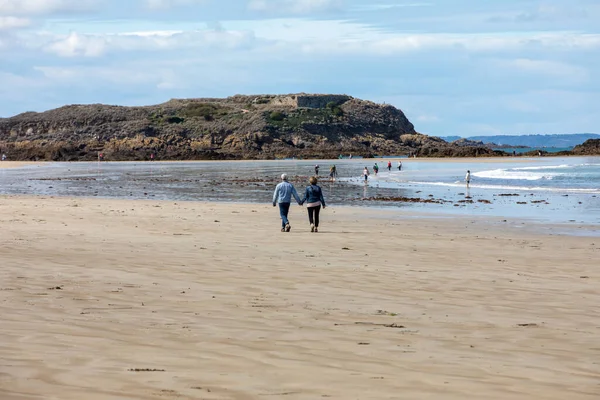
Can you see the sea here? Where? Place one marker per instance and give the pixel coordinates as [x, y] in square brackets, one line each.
[563, 190]
[520, 150]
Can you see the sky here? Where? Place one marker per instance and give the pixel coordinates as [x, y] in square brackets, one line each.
[455, 67]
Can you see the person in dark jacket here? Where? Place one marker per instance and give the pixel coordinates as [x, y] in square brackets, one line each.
[313, 196]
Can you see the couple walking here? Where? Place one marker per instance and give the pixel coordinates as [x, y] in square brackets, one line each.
[313, 196]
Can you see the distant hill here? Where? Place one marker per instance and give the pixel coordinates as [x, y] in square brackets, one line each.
[560, 141]
[238, 127]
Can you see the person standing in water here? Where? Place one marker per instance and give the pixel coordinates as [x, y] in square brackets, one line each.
[399, 165]
[366, 174]
[333, 172]
[389, 166]
[317, 170]
[376, 168]
[314, 198]
[283, 195]
[468, 178]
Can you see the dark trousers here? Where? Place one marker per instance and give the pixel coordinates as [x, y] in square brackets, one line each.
[284, 209]
[313, 215]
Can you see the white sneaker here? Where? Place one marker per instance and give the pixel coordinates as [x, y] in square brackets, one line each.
[312, 227]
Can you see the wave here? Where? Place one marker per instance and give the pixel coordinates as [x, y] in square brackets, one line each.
[551, 167]
[563, 166]
[534, 173]
[513, 174]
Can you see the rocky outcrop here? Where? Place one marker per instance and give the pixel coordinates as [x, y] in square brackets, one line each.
[468, 143]
[590, 147]
[237, 127]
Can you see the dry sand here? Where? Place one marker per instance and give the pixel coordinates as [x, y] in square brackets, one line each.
[224, 306]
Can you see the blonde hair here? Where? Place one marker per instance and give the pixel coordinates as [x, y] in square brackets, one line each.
[313, 180]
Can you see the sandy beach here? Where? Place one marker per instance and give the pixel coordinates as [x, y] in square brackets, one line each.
[116, 299]
[18, 164]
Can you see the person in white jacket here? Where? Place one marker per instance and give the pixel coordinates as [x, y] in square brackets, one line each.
[468, 178]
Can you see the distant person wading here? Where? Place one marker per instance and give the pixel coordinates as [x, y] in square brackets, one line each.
[332, 173]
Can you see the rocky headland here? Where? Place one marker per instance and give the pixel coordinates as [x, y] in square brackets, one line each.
[589, 148]
[237, 127]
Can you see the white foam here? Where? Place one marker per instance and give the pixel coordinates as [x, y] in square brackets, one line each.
[563, 166]
[551, 167]
[516, 175]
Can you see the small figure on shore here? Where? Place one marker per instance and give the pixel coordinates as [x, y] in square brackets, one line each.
[389, 166]
[399, 165]
[314, 199]
[333, 173]
[3, 157]
[376, 168]
[468, 178]
[151, 156]
[317, 170]
[283, 196]
[366, 174]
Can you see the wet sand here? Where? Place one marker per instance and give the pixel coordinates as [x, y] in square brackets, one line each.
[18, 164]
[116, 299]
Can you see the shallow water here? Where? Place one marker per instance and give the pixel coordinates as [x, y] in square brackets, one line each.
[552, 189]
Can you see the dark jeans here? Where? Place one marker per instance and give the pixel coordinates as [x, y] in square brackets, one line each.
[284, 209]
[313, 215]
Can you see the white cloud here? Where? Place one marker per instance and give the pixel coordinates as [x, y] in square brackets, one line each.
[389, 44]
[83, 45]
[167, 4]
[78, 45]
[294, 6]
[321, 38]
[39, 7]
[384, 7]
[548, 13]
[9, 23]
